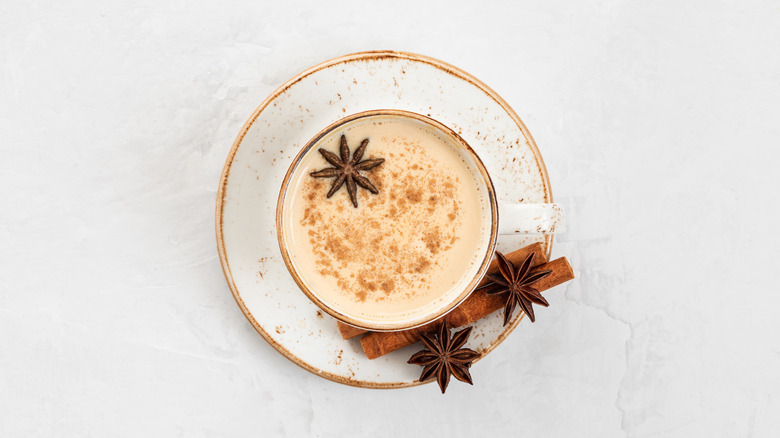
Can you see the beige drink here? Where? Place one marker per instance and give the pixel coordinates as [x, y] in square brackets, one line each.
[404, 252]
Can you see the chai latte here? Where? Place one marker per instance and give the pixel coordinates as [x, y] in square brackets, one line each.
[401, 252]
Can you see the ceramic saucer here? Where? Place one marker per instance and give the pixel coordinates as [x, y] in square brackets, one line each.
[273, 135]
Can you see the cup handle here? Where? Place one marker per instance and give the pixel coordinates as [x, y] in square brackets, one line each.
[531, 219]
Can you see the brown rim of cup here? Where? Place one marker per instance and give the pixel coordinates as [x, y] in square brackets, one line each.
[415, 322]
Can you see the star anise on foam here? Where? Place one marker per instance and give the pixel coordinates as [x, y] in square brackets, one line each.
[517, 283]
[444, 356]
[346, 170]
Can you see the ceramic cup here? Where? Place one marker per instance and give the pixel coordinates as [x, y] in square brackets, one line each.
[514, 219]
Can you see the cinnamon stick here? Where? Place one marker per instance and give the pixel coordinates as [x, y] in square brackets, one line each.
[516, 257]
[477, 306]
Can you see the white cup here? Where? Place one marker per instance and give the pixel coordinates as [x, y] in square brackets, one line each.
[501, 219]
[531, 219]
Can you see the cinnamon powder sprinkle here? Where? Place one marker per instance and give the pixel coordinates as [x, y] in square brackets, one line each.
[392, 241]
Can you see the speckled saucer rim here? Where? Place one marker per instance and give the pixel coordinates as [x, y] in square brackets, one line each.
[360, 56]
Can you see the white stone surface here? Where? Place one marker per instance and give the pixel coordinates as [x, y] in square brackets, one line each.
[659, 123]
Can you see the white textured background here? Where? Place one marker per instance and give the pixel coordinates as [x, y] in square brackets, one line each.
[660, 125]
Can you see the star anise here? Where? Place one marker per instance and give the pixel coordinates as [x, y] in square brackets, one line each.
[444, 356]
[517, 282]
[346, 170]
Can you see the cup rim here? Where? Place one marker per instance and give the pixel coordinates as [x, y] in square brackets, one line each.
[412, 322]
